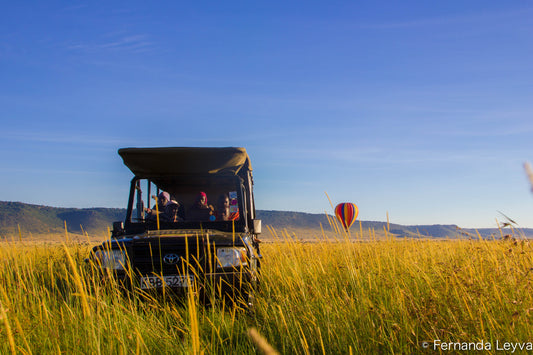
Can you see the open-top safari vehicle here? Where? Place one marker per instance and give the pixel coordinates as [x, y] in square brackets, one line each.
[201, 233]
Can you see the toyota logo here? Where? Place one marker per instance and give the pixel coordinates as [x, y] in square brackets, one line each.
[171, 259]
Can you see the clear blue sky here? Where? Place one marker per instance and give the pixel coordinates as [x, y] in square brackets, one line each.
[419, 109]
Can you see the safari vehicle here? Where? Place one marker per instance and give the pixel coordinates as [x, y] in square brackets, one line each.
[211, 247]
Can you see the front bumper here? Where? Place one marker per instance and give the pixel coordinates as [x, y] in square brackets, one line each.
[235, 283]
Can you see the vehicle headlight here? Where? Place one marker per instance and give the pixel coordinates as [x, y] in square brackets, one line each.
[111, 259]
[231, 257]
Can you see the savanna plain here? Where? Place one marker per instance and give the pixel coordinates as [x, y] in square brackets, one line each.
[351, 294]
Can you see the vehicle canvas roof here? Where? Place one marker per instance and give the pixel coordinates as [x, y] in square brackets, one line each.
[185, 161]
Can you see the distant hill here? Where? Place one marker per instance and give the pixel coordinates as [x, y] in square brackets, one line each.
[44, 219]
[308, 221]
[38, 219]
[299, 220]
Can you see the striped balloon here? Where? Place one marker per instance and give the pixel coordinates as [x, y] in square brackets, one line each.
[346, 213]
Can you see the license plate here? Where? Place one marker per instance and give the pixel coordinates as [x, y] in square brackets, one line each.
[169, 280]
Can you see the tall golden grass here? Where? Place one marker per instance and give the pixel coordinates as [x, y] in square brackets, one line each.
[333, 296]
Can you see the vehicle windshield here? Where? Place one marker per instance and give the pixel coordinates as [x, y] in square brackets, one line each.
[186, 203]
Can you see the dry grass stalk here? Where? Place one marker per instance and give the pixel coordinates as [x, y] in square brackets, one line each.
[261, 343]
[529, 172]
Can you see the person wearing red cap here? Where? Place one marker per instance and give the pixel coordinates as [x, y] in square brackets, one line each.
[201, 211]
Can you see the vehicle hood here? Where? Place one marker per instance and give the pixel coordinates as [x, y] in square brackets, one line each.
[206, 235]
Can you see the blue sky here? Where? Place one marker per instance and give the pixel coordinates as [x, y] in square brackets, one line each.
[422, 110]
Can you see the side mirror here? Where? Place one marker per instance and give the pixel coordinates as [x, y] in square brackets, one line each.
[257, 226]
[118, 229]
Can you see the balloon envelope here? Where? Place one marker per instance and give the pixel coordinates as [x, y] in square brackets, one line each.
[346, 213]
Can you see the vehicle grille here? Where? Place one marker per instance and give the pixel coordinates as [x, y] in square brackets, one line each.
[159, 256]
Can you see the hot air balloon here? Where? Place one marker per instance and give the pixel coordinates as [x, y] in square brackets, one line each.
[346, 213]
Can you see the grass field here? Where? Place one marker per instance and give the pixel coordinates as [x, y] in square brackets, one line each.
[332, 297]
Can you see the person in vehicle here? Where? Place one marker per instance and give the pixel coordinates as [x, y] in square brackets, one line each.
[222, 212]
[177, 212]
[201, 211]
[169, 209]
[162, 200]
[172, 212]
